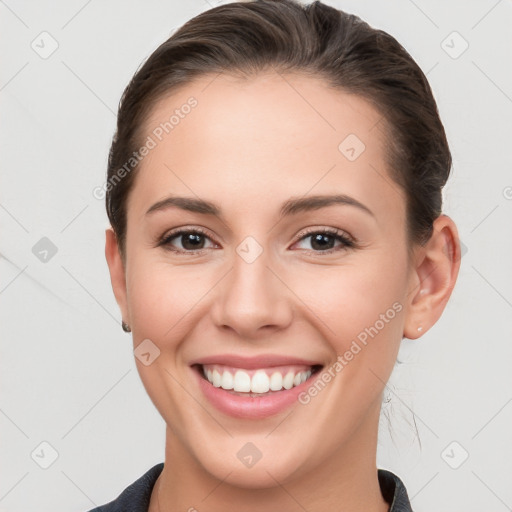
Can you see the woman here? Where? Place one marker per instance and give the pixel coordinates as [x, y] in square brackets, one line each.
[274, 191]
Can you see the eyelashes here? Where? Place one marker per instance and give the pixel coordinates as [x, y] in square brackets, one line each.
[196, 232]
[329, 233]
[194, 236]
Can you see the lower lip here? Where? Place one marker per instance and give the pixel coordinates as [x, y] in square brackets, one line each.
[254, 407]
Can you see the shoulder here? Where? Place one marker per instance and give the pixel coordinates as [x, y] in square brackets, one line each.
[136, 497]
[394, 491]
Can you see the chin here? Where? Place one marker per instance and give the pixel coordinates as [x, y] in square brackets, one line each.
[260, 476]
[277, 464]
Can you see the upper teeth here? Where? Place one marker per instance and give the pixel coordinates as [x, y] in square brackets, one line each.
[261, 381]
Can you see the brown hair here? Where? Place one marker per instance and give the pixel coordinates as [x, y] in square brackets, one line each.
[247, 38]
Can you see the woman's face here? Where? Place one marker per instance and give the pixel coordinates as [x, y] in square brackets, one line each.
[260, 290]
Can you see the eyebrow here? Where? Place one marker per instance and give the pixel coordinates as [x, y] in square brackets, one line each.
[289, 207]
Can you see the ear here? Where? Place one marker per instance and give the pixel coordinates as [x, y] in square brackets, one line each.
[434, 275]
[117, 272]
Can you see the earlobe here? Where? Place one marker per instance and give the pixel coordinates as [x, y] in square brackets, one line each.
[436, 272]
[117, 272]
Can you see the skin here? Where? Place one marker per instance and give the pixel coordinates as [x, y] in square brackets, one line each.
[248, 146]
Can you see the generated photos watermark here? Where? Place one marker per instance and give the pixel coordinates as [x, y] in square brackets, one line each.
[343, 360]
[151, 142]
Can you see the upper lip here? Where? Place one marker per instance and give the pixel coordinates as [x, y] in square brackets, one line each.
[249, 363]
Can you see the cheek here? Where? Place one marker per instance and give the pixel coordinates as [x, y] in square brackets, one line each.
[361, 303]
[162, 297]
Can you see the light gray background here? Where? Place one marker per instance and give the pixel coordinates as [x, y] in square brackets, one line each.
[68, 376]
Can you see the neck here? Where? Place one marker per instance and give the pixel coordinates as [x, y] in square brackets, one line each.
[347, 480]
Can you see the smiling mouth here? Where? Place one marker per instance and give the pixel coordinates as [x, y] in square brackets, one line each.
[256, 382]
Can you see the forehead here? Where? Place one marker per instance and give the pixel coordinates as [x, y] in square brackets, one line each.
[248, 142]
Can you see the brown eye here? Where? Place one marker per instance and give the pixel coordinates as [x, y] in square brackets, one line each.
[324, 240]
[190, 240]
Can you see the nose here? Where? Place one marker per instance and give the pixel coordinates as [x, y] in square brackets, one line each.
[252, 299]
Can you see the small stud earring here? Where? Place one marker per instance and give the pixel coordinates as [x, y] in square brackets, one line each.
[420, 328]
[125, 326]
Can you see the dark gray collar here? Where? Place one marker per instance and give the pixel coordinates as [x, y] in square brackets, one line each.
[394, 491]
